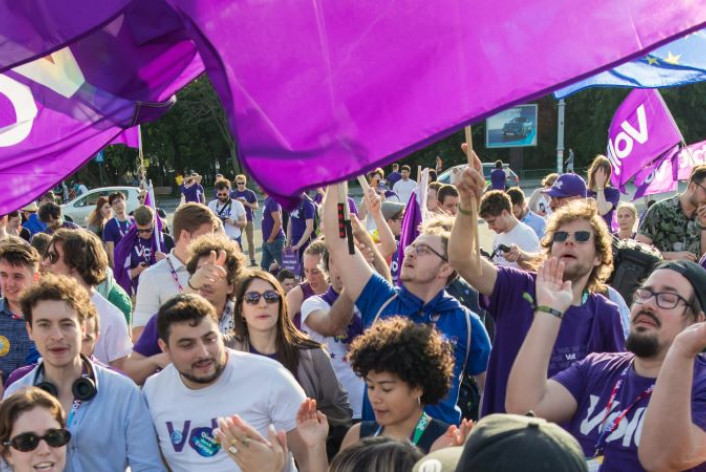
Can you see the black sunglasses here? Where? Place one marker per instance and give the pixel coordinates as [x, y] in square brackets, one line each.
[579, 236]
[270, 296]
[27, 442]
[145, 230]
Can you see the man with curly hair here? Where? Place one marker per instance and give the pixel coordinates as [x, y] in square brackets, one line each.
[577, 235]
[422, 298]
[406, 367]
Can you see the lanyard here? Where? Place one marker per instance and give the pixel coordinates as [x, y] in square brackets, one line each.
[607, 430]
[120, 228]
[422, 424]
[174, 275]
[227, 324]
[72, 415]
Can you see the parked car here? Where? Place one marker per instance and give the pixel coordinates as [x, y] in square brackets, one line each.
[512, 179]
[518, 126]
[80, 207]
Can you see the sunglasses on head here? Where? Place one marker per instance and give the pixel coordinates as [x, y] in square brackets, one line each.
[27, 442]
[270, 296]
[579, 236]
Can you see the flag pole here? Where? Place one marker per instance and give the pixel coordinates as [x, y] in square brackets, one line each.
[474, 204]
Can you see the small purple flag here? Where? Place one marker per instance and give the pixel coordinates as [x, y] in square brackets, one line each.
[659, 176]
[410, 230]
[689, 157]
[130, 138]
[642, 130]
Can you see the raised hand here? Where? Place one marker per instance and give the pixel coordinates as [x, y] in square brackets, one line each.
[312, 425]
[470, 182]
[691, 341]
[600, 177]
[249, 449]
[213, 270]
[552, 290]
[454, 435]
[372, 200]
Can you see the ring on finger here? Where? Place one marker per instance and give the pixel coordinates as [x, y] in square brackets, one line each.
[246, 441]
[232, 449]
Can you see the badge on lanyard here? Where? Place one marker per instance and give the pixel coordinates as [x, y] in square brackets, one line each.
[594, 463]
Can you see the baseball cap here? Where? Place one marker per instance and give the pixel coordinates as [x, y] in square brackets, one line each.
[31, 207]
[568, 185]
[691, 271]
[390, 209]
[509, 443]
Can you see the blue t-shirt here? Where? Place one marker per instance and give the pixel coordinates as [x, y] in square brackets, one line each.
[114, 230]
[392, 178]
[249, 197]
[268, 223]
[497, 179]
[193, 193]
[536, 222]
[15, 345]
[451, 319]
[305, 211]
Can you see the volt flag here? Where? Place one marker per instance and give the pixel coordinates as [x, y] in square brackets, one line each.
[642, 130]
[678, 63]
[660, 177]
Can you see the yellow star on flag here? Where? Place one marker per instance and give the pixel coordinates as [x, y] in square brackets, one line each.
[672, 59]
[651, 60]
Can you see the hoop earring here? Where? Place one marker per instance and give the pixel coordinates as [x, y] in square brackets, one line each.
[419, 400]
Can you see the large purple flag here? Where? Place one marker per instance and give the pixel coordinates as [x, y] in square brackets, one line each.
[321, 91]
[689, 157]
[642, 129]
[658, 177]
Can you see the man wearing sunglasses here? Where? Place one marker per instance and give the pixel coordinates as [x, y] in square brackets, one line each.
[214, 266]
[80, 255]
[576, 235]
[676, 226]
[249, 200]
[230, 211]
[424, 274]
[110, 429]
[639, 410]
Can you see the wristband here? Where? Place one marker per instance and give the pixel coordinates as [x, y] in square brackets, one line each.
[703, 228]
[462, 210]
[550, 310]
[188, 282]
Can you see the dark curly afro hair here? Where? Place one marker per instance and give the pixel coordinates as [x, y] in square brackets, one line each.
[416, 353]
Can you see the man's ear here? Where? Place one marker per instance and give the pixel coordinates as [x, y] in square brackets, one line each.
[165, 349]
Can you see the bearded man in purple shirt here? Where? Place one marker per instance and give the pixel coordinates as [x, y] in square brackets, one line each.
[576, 235]
[630, 411]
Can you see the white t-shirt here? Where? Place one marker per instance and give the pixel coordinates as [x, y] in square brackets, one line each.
[522, 235]
[338, 351]
[114, 339]
[157, 285]
[404, 189]
[260, 390]
[235, 211]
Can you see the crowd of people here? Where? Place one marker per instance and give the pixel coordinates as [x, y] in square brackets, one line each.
[131, 344]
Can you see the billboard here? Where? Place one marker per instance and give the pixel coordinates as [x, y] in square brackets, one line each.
[514, 127]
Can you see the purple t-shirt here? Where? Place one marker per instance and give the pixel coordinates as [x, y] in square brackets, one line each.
[193, 193]
[305, 211]
[612, 196]
[142, 252]
[268, 223]
[147, 344]
[114, 230]
[497, 179]
[249, 197]
[393, 177]
[593, 327]
[591, 382]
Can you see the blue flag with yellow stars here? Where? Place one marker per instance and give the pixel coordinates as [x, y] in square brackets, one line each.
[677, 63]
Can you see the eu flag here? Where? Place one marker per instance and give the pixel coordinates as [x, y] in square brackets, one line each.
[677, 63]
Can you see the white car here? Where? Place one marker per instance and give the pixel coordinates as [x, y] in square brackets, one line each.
[80, 207]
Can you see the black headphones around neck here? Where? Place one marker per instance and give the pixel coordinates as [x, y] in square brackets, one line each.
[84, 388]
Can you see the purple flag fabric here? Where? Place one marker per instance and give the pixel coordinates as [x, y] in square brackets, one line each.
[642, 129]
[60, 110]
[130, 138]
[121, 258]
[410, 230]
[689, 157]
[321, 91]
[658, 177]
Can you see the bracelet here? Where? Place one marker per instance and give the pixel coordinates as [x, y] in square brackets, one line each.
[703, 228]
[462, 210]
[188, 282]
[550, 310]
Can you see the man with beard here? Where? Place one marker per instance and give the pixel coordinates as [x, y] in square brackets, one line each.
[205, 381]
[421, 297]
[577, 235]
[676, 225]
[229, 210]
[630, 411]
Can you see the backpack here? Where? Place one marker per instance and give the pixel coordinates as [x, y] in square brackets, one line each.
[633, 262]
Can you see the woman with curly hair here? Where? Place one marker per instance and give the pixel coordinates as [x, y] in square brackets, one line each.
[95, 222]
[406, 366]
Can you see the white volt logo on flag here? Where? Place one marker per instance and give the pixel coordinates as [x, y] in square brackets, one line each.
[623, 144]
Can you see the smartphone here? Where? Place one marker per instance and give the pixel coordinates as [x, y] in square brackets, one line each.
[504, 248]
